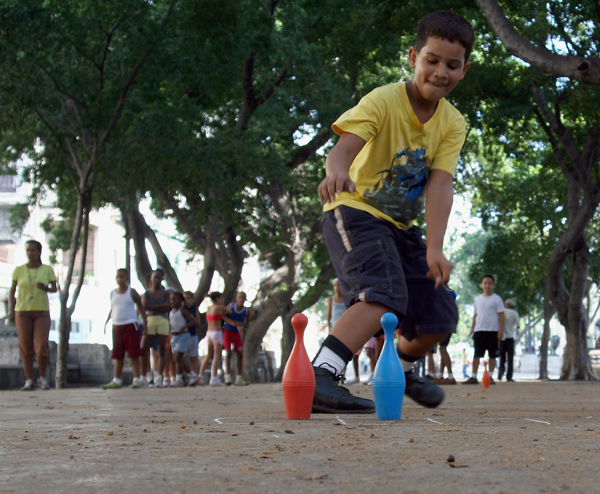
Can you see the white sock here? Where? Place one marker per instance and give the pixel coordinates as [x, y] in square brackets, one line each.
[473, 375]
[407, 366]
[439, 375]
[149, 375]
[117, 380]
[330, 361]
[143, 380]
[179, 377]
[238, 376]
[451, 376]
[28, 382]
[136, 379]
[212, 374]
[192, 374]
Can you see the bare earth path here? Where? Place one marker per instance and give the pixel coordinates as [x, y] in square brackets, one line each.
[523, 437]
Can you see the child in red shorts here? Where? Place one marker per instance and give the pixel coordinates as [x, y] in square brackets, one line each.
[126, 336]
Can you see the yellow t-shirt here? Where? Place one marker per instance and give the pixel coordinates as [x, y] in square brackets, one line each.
[392, 169]
[29, 296]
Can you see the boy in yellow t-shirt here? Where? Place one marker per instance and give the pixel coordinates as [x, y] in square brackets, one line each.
[400, 141]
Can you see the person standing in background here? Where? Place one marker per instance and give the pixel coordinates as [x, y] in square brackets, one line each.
[507, 344]
[30, 310]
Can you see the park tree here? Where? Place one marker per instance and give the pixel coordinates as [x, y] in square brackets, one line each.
[68, 70]
[559, 44]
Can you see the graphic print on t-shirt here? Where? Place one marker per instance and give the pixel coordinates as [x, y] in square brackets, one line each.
[399, 192]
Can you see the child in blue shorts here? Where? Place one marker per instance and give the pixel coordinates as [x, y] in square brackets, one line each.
[179, 322]
[400, 141]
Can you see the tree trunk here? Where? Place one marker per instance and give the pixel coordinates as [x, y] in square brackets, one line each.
[82, 218]
[136, 224]
[288, 338]
[273, 307]
[545, 334]
[311, 297]
[162, 260]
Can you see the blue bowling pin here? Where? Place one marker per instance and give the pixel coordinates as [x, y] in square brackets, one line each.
[389, 382]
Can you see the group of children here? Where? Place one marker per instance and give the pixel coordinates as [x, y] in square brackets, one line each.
[166, 322]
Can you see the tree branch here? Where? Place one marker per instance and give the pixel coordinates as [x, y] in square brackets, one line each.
[583, 69]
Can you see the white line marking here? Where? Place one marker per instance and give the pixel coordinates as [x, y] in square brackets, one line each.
[218, 421]
[540, 421]
[435, 421]
[340, 420]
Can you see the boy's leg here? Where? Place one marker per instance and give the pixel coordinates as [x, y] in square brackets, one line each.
[478, 352]
[118, 369]
[135, 367]
[510, 355]
[374, 262]
[502, 366]
[117, 354]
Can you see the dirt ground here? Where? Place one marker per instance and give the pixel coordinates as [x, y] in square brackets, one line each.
[523, 437]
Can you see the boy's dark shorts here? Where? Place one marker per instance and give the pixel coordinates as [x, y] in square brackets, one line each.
[377, 262]
[485, 340]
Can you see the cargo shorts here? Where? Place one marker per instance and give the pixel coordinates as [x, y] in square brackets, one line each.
[377, 262]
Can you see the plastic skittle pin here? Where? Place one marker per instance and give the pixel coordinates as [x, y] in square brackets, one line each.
[485, 381]
[298, 380]
[389, 381]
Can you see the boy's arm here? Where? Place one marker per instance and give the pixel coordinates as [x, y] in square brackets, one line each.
[231, 321]
[437, 211]
[329, 304]
[338, 164]
[502, 322]
[195, 316]
[473, 325]
[190, 320]
[141, 310]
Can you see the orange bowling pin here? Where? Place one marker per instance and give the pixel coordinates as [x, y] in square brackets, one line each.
[298, 381]
[486, 376]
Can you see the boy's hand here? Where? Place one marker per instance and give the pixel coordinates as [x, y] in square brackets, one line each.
[439, 267]
[337, 167]
[335, 183]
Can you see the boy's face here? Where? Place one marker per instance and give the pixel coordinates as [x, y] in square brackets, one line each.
[487, 285]
[240, 298]
[439, 66]
[122, 279]
[188, 299]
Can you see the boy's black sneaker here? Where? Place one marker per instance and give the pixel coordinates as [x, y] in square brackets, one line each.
[330, 397]
[422, 390]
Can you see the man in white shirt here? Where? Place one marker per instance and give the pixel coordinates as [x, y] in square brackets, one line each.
[507, 345]
[487, 327]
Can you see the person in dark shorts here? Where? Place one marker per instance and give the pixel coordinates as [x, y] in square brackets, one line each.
[487, 327]
[400, 141]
